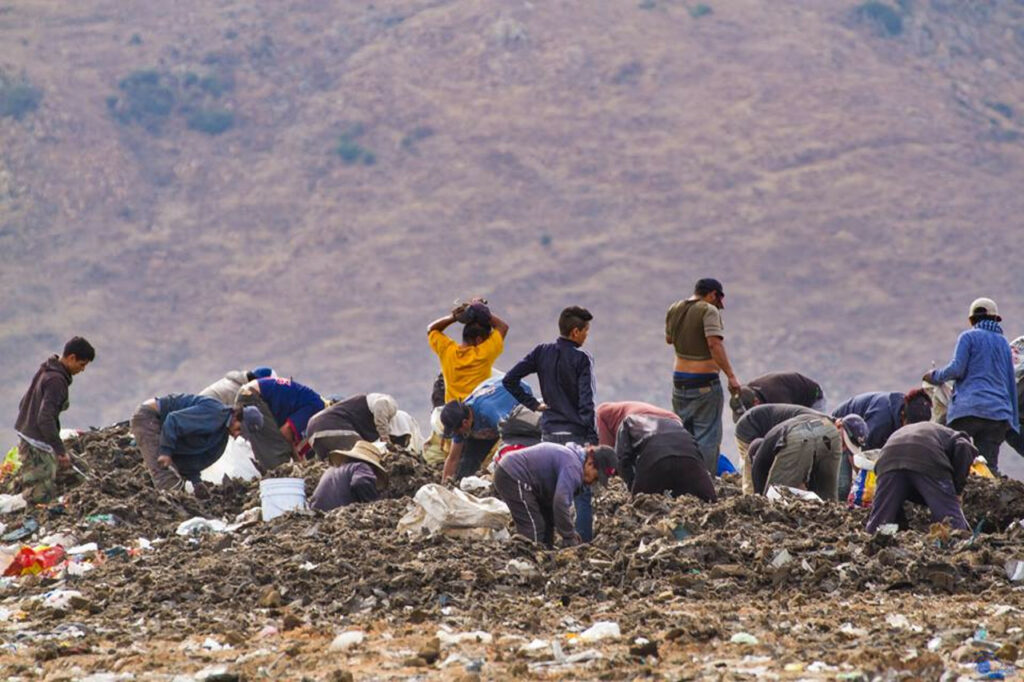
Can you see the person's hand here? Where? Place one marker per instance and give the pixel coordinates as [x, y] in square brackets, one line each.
[541, 408]
[164, 461]
[458, 311]
[64, 461]
[734, 385]
[927, 378]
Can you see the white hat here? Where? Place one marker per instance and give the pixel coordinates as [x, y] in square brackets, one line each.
[984, 306]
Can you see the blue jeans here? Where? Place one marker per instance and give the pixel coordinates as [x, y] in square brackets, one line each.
[584, 500]
[700, 410]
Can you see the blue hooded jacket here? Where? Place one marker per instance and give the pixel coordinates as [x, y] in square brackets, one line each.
[194, 429]
[982, 367]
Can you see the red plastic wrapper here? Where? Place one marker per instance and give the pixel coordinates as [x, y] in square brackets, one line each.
[35, 560]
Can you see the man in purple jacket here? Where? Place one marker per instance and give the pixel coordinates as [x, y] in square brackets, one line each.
[38, 425]
[539, 483]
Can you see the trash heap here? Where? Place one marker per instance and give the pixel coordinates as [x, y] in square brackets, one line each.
[233, 573]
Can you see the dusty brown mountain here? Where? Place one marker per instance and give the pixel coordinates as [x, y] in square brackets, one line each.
[202, 186]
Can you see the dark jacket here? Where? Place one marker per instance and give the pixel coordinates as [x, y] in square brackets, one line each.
[644, 440]
[786, 387]
[194, 429]
[930, 449]
[40, 408]
[555, 475]
[567, 384]
[760, 419]
[883, 413]
[341, 486]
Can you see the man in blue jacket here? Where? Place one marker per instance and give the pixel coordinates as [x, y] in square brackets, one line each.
[568, 386]
[884, 413]
[984, 404]
[189, 432]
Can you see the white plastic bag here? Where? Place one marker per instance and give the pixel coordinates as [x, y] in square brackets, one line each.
[455, 512]
[236, 462]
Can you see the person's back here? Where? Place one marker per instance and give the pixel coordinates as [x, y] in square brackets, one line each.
[760, 419]
[40, 407]
[342, 485]
[925, 447]
[788, 387]
[196, 425]
[550, 469]
[611, 415]
[290, 402]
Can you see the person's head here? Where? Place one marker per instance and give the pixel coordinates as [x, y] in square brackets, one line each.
[475, 333]
[599, 464]
[245, 421]
[456, 418]
[917, 407]
[259, 373]
[740, 402]
[854, 432]
[710, 289]
[574, 324]
[983, 309]
[77, 354]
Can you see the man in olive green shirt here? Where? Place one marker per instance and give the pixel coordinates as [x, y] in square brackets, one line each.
[694, 328]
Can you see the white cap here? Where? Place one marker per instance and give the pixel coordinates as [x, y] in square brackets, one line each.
[984, 306]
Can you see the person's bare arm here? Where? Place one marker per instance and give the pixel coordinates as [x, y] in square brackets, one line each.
[721, 358]
[441, 323]
[451, 463]
[500, 325]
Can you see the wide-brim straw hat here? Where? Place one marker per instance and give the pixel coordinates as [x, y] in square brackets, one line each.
[363, 452]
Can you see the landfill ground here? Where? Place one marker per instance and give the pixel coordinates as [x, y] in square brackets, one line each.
[744, 588]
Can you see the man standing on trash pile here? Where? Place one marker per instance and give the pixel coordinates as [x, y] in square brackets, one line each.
[756, 423]
[610, 416]
[924, 463]
[657, 455]
[367, 417]
[355, 475]
[473, 426]
[539, 483]
[466, 365]
[804, 452]
[227, 388]
[38, 425]
[568, 385]
[189, 432]
[791, 388]
[286, 407]
[884, 413]
[984, 404]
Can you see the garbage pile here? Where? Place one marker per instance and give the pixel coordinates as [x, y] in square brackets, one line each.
[192, 566]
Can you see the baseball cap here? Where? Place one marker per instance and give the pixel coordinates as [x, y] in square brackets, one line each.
[984, 306]
[452, 416]
[855, 432]
[709, 284]
[606, 462]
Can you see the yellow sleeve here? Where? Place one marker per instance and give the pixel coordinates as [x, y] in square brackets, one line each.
[439, 342]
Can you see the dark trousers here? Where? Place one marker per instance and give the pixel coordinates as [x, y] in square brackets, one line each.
[584, 501]
[676, 475]
[896, 487]
[533, 520]
[987, 435]
[474, 452]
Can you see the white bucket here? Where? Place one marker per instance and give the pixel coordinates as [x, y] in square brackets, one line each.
[279, 495]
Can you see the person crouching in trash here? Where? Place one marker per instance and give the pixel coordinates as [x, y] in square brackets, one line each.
[924, 463]
[539, 483]
[355, 475]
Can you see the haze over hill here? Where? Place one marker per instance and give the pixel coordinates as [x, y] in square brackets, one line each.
[200, 186]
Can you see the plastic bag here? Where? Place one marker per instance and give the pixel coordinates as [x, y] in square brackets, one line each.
[236, 462]
[437, 509]
[862, 488]
[11, 463]
[979, 467]
[35, 560]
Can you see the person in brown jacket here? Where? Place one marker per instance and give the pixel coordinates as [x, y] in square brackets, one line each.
[38, 425]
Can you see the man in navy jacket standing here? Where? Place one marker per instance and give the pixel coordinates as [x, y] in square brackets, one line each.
[568, 386]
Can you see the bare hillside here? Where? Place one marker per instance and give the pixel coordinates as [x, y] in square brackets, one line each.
[202, 186]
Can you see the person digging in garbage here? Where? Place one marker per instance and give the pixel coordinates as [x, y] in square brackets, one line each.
[466, 365]
[181, 434]
[355, 475]
[804, 452]
[286, 407]
[756, 423]
[472, 425]
[791, 388]
[226, 389]
[923, 463]
[657, 455]
[539, 483]
[40, 447]
[367, 417]
[611, 415]
[884, 413]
